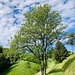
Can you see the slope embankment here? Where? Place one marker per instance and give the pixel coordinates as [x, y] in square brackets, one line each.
[67, 67]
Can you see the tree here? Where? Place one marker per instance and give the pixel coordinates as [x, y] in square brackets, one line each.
[71, 40]
[1, 49]
[60, 52]
[4, 60]
[39, 31]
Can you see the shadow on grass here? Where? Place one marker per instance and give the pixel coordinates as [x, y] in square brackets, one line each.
[55, 70]
[9, 69]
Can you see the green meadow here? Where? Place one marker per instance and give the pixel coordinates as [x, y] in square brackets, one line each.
[67, 67]
[22, 68]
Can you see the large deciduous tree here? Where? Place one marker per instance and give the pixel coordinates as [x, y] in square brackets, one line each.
[38, 32]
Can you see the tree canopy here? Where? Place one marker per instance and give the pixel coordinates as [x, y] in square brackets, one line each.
[41, 27]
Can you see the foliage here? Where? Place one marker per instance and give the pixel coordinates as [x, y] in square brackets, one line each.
[60, 52]
[4, 62]
[29, 57]
[71, 40]
[50, 53]
[39, 31]
[14, 56]
[7, 58]
[11, 54]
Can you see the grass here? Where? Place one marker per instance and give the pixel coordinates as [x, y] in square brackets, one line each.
[50, 64]
[70, 70]
[22, 68]
[67, 67]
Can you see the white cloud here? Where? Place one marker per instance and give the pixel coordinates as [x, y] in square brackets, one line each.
[8, 17]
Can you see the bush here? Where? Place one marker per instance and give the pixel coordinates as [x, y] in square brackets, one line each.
[30, 58]
[4, 62]
[11, 54]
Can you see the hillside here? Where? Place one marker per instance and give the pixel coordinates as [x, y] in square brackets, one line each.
[22, 68]
[67, 67]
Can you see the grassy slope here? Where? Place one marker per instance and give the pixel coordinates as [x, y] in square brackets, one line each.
[22, 68]
[51, 64]
[67, 67]
[70, 70]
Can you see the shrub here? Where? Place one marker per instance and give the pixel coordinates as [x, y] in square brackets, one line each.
[4, 62]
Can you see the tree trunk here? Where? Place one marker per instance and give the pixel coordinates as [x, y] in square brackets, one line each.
[42, 71]
[44, 63]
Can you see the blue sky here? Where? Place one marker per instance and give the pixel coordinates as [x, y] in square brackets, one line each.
[11, 15]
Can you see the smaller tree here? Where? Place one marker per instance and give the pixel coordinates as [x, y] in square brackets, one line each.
[60, 52]
[4, 60]
[14, 56]
[71, 40]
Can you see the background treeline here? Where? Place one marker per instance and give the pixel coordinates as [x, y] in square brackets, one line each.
[6, 58]
[4, 61]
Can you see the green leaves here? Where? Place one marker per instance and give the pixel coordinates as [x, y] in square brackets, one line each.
[60, 52]
[71, 40]
[41, 24]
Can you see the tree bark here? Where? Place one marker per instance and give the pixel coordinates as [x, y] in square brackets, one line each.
[44, 63]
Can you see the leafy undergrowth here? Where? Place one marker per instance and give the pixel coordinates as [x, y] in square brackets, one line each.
[67, 67]
[22, 68]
